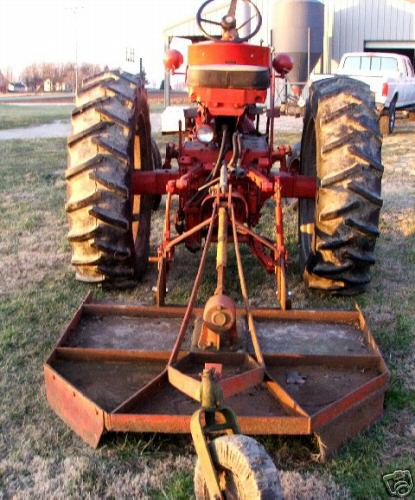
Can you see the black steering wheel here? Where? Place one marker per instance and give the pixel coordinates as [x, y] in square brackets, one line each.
[228, 22]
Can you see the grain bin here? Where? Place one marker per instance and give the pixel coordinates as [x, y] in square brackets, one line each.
[298, 28]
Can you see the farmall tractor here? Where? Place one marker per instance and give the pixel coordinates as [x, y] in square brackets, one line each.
[225, 369]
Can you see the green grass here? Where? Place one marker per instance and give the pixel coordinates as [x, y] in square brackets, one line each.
[40, 456]
[24, 116]
[178, 487]
[360, 465]
[400, 338]
[399, 397]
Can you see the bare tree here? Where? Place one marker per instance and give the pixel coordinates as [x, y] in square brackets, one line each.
[86, 70]
[3, 83]
[60, 75]
[32, 77]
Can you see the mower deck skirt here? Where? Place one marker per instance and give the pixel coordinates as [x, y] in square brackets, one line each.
[324, 374]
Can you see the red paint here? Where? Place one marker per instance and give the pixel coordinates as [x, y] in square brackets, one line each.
[283, 64]
[228, 53]
[152, 182]
[227, 102]
[173, 59]
[156, 182]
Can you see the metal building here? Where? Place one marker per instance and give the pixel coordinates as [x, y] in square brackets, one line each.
[370, 25]
[349, 25]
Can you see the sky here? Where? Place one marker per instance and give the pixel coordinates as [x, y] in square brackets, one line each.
[50, 30]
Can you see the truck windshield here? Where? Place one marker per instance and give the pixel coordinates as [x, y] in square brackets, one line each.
[370, 63]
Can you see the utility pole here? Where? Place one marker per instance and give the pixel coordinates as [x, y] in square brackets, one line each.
[167, 78]
[76, 64]
[75, 11]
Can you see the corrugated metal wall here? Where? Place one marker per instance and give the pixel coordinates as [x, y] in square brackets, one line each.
[349, 23]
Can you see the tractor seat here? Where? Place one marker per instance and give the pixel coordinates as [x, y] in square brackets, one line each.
[228, 76]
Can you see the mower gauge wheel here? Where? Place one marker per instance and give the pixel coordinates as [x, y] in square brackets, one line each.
[244, 469]
[228, 23]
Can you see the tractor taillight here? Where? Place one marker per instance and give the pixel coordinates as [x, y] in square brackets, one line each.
[385, 90]
[283, 64]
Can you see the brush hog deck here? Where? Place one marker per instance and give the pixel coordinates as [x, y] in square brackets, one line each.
[323, 373]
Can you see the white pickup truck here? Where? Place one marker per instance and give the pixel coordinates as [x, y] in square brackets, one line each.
[390, 76]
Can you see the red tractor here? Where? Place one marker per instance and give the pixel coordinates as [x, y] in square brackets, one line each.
[222, 171]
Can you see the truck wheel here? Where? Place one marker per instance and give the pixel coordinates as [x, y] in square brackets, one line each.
[387, 121]
[245, 470]
[341, 147]
[109, 227]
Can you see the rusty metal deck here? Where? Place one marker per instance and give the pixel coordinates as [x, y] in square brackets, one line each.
[323, 374]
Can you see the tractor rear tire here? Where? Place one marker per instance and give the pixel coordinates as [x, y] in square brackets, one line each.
[245, 470]
[341, 147]
[109, 227]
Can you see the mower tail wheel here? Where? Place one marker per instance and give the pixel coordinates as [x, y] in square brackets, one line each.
[109, 227]
[245, 470]
[341, 146]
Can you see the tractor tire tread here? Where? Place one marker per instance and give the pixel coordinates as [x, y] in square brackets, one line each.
[341, 175]
[82, 167]
[349, 170]
[325, 269]
[72, 205]
[94, 129]
[89, 105]
[98, 177]
[360, 257]
[110, 182]
[338, 212]
[371, 196]
[91, 85]
[122, 89]
[112, 249]
[363, 227]
[112, 147]
[372, 162]
[110, 218]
